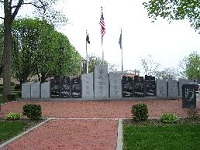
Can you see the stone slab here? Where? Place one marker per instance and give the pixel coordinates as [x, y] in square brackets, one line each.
[115, 85]
[35, 90]
[76, 87]
[127, 86]
[26, 90]
[172, 89]
[45, 90]
[87, 86]
[161, 88]
[101, 85]
[180, 84]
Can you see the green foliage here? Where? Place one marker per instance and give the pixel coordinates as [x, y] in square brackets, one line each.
[38, 49]
[8, 129]
[192, 66]
[32, 111]
[169, 118]
[93, 60]
[12, 116]
[175, 10]
[161, 137]
[12, 97]
[140, 112]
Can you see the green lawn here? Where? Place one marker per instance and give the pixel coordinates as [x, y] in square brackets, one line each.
[162, 137]
[8, 129]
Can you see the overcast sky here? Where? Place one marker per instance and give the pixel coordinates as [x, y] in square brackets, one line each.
[166, 43]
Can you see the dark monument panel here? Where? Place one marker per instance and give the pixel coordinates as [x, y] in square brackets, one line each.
[55, 88]
[127, 86]
[139, 86]
[76, 87]
[150, 85]
[188, 96]
[65, 88]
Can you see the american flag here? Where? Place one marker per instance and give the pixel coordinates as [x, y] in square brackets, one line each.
[102, 24]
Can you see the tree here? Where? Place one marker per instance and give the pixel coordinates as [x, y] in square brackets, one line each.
[192, 66]
[149, 65]
[11, 9]
[93, 60]
[40, 50]
[168, 73]
[175, 10]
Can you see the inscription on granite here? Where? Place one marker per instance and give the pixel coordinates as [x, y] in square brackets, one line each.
[76, 87]
[65, 87]
[45, 90]
[35, 90]
[180, 84]
[161, 88]
[150, 85]
[139, 86]
[101, 82]
[26, 90]
[127, 86]
[87, 86]
[188, 96]
[115, 85]
[172, 89]
[55, 88]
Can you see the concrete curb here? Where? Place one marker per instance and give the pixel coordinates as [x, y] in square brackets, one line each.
[120, 136]
[18, 136]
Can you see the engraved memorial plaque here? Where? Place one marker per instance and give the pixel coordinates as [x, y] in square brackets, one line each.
[127, 86]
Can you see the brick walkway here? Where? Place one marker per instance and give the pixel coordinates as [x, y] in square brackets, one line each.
[83, 125]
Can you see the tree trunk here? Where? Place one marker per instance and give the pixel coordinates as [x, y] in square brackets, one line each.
[7, 54]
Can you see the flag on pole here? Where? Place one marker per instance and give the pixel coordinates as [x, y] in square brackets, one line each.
[102, 23]
[87, 38]
[120, 40]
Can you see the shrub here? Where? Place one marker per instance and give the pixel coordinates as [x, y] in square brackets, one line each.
[193, 113]
[12, 116]
[12, 97]
[169, 118]
[32, 111]
[140, 112]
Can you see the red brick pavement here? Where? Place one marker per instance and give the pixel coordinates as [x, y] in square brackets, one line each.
[83, 134]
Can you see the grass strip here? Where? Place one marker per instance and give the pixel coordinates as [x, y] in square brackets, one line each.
[165, 137]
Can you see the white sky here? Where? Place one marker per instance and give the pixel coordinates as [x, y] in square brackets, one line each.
[166, 43]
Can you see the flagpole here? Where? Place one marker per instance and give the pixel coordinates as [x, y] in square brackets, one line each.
[122, 54]
[102, 50]
[87, 66]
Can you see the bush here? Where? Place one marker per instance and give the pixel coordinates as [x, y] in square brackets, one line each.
[12, 116]
[169, 118]
[193, 113]
[32, 111]
[140, 112]
[12, 97]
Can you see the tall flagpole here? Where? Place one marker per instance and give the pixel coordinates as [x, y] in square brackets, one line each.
[122, 54]
[86, 52]
[87, 58]
[102, 50]
[120, 45]
[103, 31]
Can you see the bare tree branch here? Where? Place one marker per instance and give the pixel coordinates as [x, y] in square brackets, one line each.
[20, 2]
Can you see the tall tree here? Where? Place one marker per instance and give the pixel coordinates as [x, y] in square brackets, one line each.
[192, 66]
[175, 10]
[149, 65]
[11, 9]
[40, 50]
